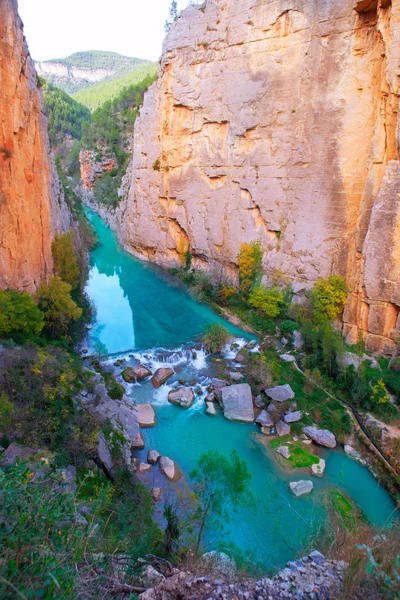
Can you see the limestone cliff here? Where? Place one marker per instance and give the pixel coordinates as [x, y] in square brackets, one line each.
[277, 120]
[32, 205]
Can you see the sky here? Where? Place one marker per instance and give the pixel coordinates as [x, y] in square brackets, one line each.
[57, 28]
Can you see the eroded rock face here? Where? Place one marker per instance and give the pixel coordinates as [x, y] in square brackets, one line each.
[277, 121]
[32, 205]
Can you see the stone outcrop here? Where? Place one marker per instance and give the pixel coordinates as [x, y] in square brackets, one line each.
[277, 121]
[32, 206]
[237, 403]
[323, 437]
[94, 165]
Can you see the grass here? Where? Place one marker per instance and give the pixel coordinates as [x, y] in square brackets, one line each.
[347, 512]
[300, 456]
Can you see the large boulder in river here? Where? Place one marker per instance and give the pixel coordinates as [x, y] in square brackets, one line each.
[146, 416]
[169, 469]
[301, 487]
[182, 397]
[161, 376]
[280, 393]
[323, 437]
[140, 372]
[128, 375]
[138, 441]
[153, 457]
[237, 403]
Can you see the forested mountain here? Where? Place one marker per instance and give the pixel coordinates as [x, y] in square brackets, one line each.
[83, 71]
[66, 115]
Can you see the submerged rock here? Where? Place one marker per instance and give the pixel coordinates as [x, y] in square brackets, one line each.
[143, 467]
[181, 397]
[301, 487]
[323, 437]
[146, 416]
[280, 393]
[237, 403]
[161, 376]
[141, 372]
[350, 451]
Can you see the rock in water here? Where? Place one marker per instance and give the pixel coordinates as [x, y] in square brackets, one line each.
[138, 441]
[128, 375]
[280, 393]
[210, 409]
[161, 376]
[156, 493]
[169, 469]
[319, 468]
[237, 403]
[182, 397]
[146, 416]
[153, 457]
[350, 451]
[323, 437]
[301, 487]
[141, 372]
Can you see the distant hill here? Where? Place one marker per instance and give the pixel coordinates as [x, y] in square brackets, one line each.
[84, 71]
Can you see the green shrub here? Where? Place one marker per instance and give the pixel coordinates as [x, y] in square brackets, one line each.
[288, 326]
[65, 259]
[157, 165]
[328, 298]
[55, 301]
[215, 338]
[250, 265]
[267, 301]
[19, 315]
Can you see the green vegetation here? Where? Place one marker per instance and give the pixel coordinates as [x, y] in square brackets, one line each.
[66, 115]
[59, 310]
[221, 484]
[19, 316]
[300, 456]
[215, 338]
[49, 550]
[65, 259]
[328, 298]
[110, 126]
[173, 15]
[250, 265]
[268, 302]
[94, 97]
[115, 390]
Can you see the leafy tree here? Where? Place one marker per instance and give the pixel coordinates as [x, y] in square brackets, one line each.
[221, 484]
[59, 309]
[215, 338]
[19, 314]
[172, 530]
[250, 265]
[173, 15]
[328, 298]
[267, 301]
[65, 259]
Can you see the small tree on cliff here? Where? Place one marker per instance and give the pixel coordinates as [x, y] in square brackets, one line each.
[250, 265]
[221, 485]
[59, 309]
[173, 15]
[65, 260]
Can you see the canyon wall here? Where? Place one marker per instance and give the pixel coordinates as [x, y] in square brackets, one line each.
[277, 120]
[32, 205]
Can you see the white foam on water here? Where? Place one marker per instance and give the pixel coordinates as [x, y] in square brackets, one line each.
[228, 352]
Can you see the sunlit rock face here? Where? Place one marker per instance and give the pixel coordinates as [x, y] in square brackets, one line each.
[277, 120]
[32, 205]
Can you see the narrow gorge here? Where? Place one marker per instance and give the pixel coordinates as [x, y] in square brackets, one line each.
[277, 121]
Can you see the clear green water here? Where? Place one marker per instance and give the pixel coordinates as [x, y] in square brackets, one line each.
[140, 306]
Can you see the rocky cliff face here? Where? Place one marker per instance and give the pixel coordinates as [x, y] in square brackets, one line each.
[278, 121]
[32, 204]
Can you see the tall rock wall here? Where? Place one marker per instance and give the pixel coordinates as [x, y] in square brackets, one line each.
[32, 205]
[277, 120]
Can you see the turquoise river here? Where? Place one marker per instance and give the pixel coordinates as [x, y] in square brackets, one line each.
[141, 308]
